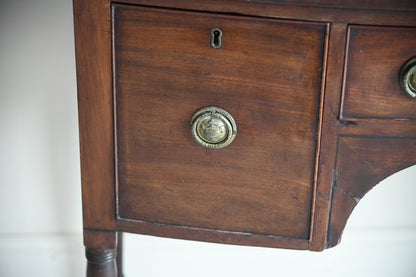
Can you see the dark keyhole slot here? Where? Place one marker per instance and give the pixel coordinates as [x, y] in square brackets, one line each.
[216, 35]
[216, 38]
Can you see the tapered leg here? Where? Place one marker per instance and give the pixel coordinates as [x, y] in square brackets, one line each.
[101, 262]
[120, 254]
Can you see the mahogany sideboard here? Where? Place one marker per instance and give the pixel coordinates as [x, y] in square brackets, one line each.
[259, 122]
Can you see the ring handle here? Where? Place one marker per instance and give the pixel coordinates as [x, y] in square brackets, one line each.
[407, 77]
[213, 127]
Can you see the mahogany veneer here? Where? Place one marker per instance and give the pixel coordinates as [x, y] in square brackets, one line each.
[313, 88]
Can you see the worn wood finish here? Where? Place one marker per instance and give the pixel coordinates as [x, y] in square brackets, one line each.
[374, 58]
[317, 12]
[101, 262]
[321, 118]
[93, 59]
[95, 106]
[352, 4]
[329, 128]
[362, 162]
[101, 253]
[100, 239]
[267, 75]
[218, 236]
[398, 128]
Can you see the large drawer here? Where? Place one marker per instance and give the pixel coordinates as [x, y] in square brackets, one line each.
[266, 73]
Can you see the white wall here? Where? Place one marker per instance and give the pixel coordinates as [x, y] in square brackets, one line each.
[40, 196]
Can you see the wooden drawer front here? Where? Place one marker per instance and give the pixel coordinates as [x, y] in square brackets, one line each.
[371, 86]
[267, 75]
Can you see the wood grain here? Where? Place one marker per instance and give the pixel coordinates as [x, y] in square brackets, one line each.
[217, 236]
[267, 75]
[345, 12]
[365, 127]
[100, 239]
[304, 154]
[362, 162]
[353, 4]
[328, 142]
[375, 56]
[95, 106]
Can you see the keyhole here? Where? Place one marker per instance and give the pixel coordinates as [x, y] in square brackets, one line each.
[216, 35]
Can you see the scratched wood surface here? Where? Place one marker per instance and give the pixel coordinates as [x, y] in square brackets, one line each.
[362, 162]
[267, 75]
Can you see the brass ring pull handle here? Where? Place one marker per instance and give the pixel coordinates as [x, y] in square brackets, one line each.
[213, 127]
[407, 77]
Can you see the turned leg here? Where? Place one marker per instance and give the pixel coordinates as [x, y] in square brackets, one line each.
[120, 254]
[101, 262]
[101, 253]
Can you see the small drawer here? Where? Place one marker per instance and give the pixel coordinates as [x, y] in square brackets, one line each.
[265, 73]
[375, 56]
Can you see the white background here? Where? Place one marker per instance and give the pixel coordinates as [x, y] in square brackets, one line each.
[40, 196]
